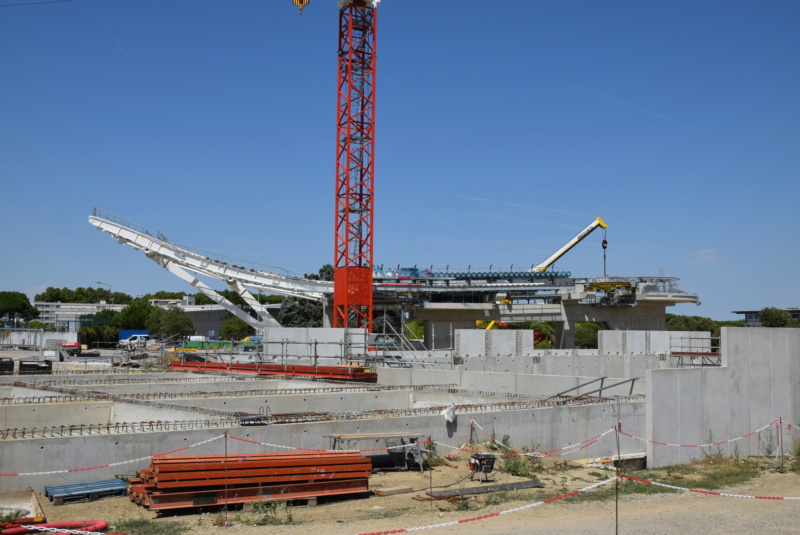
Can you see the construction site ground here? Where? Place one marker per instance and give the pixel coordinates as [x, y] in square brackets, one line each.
[685, 512]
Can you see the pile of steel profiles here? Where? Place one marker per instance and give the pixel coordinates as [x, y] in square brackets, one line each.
[177, 482]
[343, 373]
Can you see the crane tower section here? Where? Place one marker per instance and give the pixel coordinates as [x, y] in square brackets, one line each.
[355, 165]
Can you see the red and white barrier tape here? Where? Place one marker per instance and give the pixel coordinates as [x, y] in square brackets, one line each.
[492, 515]
[392, 448]
[566, 450]
[621, 432]
[47, 529]
[712, 493]
[120, 463]
[463, 445]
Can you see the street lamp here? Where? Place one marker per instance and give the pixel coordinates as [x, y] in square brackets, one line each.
[110, 295]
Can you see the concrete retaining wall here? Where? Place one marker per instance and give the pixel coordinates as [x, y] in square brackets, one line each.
[508, 383]
[625, 366]
[329, 342]
[54, 414]
[696, 406]
[336, 402]
[544, 429]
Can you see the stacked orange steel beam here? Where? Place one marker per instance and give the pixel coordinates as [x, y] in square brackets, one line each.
[209, 480]
[343, 373]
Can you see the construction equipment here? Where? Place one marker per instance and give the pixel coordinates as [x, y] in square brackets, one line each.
[355, 165]
[481, 464]
[569, 245]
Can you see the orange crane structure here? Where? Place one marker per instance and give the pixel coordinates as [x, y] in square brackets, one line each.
[355, 163]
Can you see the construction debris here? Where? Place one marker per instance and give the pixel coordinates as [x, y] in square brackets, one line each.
[393, 490]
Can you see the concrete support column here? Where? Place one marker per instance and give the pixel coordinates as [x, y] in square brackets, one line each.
[565, 334]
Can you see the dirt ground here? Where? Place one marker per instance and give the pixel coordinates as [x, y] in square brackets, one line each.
[686, 512]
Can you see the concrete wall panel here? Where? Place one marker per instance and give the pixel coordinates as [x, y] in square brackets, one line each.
[716, 404]
[54, 414]
[491, 382]
[335, 402]
[548, 428]
[470, 343]
[395, 376]
[757, 385]
[154, 412]
[502, 342]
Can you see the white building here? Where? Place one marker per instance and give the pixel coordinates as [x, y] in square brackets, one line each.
[66, 316]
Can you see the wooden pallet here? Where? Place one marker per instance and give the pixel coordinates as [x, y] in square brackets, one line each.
[85, 492]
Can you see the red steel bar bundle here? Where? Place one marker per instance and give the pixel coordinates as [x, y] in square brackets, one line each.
[207, 480]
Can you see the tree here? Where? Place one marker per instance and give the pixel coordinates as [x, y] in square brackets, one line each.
[82, 295]
[202, 299]
[586, 335]
[16, 305]
[389, 321]
[88, 336]
[107, 334]
[234, 328]
[546, 329]
[270, 299]
[415, 330]
[133, 316]
[170, 323]
[692, 323]
[104, 317]
[300, 313]
[325, 273]
[774, 317]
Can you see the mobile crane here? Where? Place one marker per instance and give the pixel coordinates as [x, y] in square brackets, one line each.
[569, 245]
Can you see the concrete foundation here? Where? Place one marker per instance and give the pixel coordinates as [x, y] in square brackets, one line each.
[50, 424]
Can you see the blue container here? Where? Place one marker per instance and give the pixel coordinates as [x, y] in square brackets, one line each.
[127, 333]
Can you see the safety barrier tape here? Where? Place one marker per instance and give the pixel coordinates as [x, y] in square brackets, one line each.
[464, 444]
[699, 491]
[493, 515]
[566, 450]
[120, 463]
[392, 448]
[621, 432]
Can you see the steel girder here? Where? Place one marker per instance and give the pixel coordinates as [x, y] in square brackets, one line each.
[183, 263]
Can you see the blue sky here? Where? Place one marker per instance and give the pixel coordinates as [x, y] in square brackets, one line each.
[503, 129]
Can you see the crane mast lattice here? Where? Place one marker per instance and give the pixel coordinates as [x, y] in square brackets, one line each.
[355, 185]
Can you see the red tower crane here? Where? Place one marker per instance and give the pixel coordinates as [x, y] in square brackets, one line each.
[355, 165]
